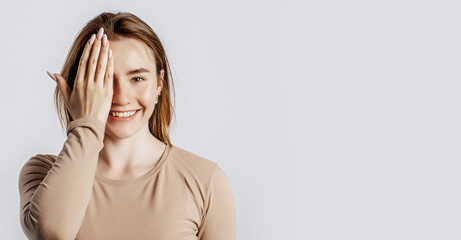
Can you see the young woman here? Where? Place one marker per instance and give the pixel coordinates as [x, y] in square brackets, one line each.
[118, 176]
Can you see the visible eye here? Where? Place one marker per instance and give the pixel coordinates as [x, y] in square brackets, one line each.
[138, 79]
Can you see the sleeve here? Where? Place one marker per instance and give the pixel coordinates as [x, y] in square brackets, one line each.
[219, 222]
[54, 195]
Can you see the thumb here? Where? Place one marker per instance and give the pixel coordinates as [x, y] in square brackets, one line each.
[65, 89]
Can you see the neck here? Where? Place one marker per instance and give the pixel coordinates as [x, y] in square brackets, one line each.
[137, 151]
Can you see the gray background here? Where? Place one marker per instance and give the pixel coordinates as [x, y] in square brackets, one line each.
[332, 119]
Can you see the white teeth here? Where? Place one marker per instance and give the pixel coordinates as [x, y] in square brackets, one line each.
[122, 114]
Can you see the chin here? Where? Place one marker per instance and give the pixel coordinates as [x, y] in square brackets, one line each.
[126, 128]
[122, 132]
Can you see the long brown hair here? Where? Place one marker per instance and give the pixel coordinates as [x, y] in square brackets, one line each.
[127, 25]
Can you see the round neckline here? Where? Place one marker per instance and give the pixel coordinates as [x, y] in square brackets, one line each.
[152, 171]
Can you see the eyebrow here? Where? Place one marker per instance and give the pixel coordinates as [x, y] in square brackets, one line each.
[139, 70]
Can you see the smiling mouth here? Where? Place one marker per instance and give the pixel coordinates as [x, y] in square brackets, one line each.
[122, 115]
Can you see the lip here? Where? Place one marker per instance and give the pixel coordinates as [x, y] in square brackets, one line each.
[124, 110]
[123, 119]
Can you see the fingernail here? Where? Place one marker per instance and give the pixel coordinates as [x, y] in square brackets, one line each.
[52, 76]
[101, 31]
[110, 53]
[104, 40]
[92, 39]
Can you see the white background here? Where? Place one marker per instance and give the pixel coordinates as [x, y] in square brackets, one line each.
[332, 119]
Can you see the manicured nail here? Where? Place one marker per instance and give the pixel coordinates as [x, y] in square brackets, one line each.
[110, 53]
[92, 39]
[52, 76]
[101, 31]
[104, 40]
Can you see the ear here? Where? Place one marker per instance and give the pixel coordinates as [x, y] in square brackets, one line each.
[159, 81]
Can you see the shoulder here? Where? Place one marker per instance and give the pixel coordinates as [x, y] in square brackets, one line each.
[40, 161]
[36, 168]
[190, 159]
[191, 163]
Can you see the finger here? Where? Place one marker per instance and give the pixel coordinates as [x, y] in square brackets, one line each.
[109, 77]
[64, 87]
[52, 76]
[91, 68]
[102, 63]
[79, 79]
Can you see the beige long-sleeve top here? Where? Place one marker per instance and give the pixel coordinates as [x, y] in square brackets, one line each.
[184, 196]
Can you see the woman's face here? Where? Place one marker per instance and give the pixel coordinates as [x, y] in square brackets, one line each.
[136, 86]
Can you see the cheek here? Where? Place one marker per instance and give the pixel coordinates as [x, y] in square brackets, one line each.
[147, 96]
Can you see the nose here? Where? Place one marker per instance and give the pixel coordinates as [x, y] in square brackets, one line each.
[121, 93]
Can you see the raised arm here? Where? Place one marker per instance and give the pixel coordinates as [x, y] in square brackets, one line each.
[55, 192]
